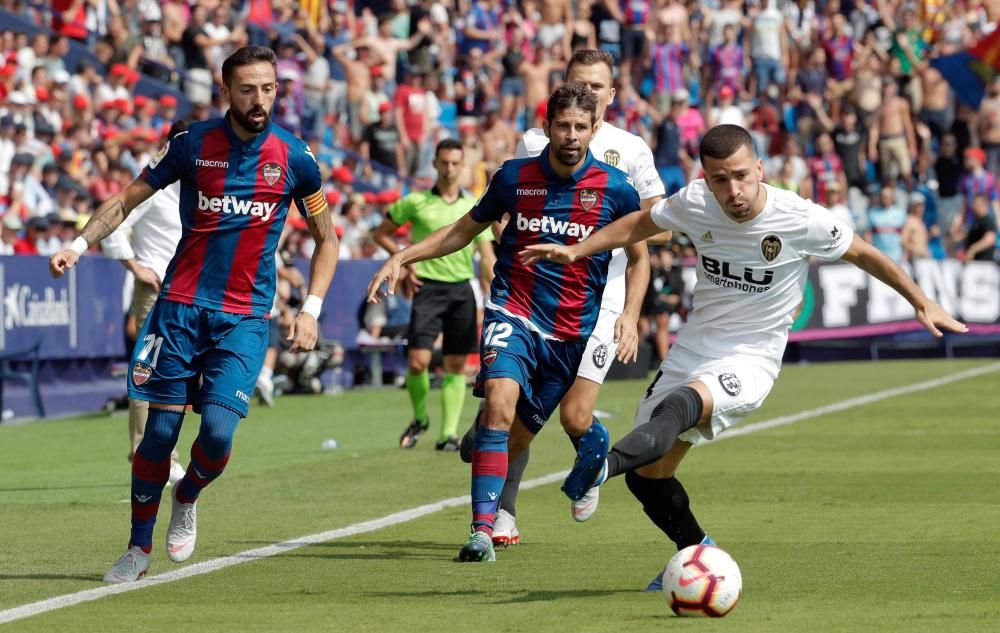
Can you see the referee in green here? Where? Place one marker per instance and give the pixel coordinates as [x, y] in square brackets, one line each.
[444, 302]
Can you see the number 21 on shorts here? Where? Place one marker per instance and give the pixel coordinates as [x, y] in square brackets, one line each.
[496, 335]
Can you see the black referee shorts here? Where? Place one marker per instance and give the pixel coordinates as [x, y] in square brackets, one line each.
[446, 307]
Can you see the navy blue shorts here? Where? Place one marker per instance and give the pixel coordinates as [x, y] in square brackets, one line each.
[544, 368]
[192, 355]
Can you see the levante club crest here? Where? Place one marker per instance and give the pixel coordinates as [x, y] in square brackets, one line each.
[141, 374]
[271, 173]
[490, 355]
[588, 198]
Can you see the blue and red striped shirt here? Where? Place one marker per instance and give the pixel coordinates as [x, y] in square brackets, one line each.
[559, 301]
[234, 200]
[668, 66]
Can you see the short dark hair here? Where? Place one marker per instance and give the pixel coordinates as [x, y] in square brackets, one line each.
[246, 56]
[572, 94]
[722, 141]
[590, 57]
[448, 144]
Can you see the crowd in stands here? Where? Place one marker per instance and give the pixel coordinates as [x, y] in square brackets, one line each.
[841, 96]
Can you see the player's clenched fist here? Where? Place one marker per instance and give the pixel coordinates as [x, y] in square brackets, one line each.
[61, 262]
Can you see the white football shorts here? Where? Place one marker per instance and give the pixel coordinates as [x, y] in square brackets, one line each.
[739, 385]
[601, 348]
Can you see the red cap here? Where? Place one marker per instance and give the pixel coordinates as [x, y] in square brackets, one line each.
[466, 125]
[124, 105]
[119, 69]
[385, 106]
[140, 101]
[376, 71]
[976, 153]
[8, 70]
[725, 92]
[109, 132]
[165, 130]
[370, 197]
[168, 101]
[332, 197]
[343, 174]
[542, 110]
[80, 102]
[132, 76]
[339, 230]
[388, 196]
[42, 94]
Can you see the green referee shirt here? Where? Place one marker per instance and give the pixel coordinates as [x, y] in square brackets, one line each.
[428, 212]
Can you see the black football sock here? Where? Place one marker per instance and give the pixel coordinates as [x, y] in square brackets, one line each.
[679, 411]
[665, 502]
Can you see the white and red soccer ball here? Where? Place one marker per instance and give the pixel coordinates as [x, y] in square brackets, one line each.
[702, 581]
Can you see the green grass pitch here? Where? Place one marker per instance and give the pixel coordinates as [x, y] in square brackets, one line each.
[881, 517]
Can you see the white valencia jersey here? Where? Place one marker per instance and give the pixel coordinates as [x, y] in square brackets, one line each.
[156, 230]
[750, 276]
[630, 154]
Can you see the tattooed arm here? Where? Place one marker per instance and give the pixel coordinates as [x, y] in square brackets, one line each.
[103, 223]
[304, 331]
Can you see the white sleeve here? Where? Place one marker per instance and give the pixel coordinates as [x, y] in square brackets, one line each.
[531, 144]
[827, 237]
[522, 150]
[664, 213]
[644, 175]
[117, 245]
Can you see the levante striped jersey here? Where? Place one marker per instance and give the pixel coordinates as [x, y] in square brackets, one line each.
[234, 200]
[558, 301]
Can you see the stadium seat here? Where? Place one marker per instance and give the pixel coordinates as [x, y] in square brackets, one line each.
[29, 377]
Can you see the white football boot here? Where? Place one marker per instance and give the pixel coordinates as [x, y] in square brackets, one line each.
[183, 530]
[176, 473]
[132, 566]
[505, 531]
[585, 508]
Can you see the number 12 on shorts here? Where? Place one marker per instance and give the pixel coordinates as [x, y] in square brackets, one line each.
[151, 341]
[496, 335]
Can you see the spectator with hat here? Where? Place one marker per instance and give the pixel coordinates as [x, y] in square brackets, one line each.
[977, 180]
[10, 231]
[34, 232]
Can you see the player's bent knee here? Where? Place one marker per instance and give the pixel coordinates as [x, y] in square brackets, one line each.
[575, 420]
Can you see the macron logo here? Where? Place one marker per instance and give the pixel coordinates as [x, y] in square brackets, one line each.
[211, 163]
[232, 204]
[532, 192]
[546, 224]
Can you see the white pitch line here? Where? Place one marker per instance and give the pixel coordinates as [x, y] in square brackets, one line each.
[88, 595]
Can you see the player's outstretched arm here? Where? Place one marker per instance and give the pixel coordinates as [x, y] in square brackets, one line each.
[443, 241]
[103, 223]
[305, 330]
[878, 265]
[634, 227]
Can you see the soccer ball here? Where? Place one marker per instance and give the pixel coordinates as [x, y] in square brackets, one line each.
[702, 581]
